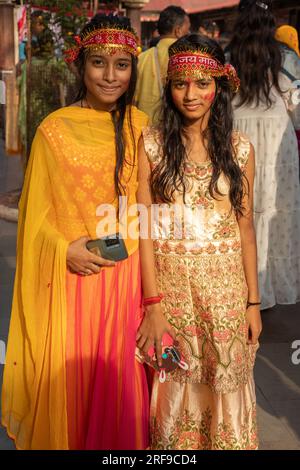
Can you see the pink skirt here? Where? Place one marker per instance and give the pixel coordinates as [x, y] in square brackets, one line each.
[107, 392]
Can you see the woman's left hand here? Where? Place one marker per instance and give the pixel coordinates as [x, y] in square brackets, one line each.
[254, 322]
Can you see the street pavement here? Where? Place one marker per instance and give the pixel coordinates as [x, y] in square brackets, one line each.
[277, 378]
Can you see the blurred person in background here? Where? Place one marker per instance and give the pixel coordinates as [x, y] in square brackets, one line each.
[288, 36]
[154, 39]
[173, 23]
[208, 28]
[289, 44]
[266, 110]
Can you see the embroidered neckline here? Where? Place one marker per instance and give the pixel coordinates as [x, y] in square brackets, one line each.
[198, 164]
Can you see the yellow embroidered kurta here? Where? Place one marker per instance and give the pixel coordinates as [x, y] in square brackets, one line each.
[200, 272]
[70, 173]
[148, 92]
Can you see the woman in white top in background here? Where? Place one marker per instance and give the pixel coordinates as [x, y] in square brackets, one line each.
[265, 110]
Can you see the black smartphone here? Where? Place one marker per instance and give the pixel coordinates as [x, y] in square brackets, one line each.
[111, 247]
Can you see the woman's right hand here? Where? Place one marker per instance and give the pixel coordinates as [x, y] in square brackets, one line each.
[82, 261]
[152, 329]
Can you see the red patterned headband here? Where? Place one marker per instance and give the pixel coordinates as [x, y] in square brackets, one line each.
[200, 65]
[109, 40]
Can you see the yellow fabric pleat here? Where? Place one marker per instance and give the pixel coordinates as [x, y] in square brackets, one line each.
[38, 319]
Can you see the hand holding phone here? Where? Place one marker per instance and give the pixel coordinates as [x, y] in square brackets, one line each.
[111, 247]
[81, 261]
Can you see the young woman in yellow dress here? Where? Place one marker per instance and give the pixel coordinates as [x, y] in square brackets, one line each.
[70, 379]
[200, 172]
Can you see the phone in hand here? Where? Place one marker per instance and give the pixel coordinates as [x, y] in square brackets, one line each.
[111, 247]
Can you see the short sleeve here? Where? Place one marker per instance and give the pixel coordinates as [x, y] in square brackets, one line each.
[242, 147]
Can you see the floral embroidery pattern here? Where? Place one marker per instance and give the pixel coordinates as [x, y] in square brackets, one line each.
[88, 181]
[210, 321]
[226, 229]
[181, 248]
[202, 198]
[200, 171]
[190, 433]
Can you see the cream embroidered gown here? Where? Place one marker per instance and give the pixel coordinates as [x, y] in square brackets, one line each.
[213, 405]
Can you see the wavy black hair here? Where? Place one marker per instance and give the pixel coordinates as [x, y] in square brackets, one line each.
[168, 176]
[255, 53]
[124, 103]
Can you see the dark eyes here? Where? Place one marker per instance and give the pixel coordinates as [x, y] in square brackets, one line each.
[123, 65]
[119, 65]
[179, 85]
[200, 83]
[203, 84]
[98, 62]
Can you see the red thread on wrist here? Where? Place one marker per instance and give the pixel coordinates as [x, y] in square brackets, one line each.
[152, 300]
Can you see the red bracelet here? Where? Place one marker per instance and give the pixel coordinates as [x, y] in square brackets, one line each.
[152, 300]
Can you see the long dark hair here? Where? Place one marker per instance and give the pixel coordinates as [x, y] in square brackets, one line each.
[168, 176]
[255, 53]
[123, 104]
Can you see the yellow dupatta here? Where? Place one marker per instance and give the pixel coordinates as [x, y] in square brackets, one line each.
[51, 215]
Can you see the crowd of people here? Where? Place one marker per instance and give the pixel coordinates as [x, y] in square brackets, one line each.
[181, 166]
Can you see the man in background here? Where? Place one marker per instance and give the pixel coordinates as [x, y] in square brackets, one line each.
[173, 23]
